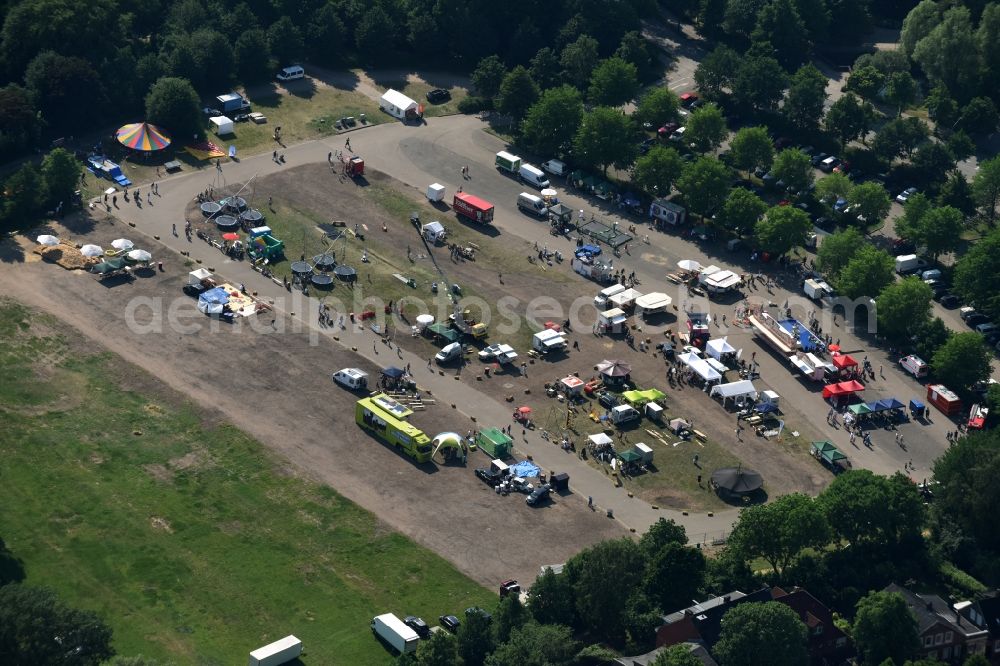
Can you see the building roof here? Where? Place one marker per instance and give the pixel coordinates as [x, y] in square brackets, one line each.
[931, 610]
[990, 609]
[398, 99]
[696, 649]
[701, 622]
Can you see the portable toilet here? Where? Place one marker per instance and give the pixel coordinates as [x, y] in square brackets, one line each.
[654, 412]
[645, 453]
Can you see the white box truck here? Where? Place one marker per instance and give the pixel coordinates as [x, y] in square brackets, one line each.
[602, 300]
[392, 630]
[278, 652]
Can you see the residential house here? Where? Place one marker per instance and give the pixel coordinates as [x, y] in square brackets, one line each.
[947, 633]
[828, 645]
[697, 650]
[990, 610]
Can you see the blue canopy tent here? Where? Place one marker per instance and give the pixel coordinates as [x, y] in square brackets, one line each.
[592, 250]
[392, 372]
[213, 301]
[766, 408]
[893, 403]
[876, 406]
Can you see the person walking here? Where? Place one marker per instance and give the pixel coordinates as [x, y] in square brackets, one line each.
[175, 229]
[347, 144]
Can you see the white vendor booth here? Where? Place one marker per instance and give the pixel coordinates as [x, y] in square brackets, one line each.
[740, 391]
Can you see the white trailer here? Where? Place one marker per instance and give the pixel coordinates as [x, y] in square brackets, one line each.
[593, 269]
[278, 652]
[548, 340]
[392, 630]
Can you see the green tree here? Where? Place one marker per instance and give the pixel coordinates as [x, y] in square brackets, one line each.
[579, 59]
[849, 118]
[977, 274]
[325, 35]
[58, 84]
[940, 230]
[658, 170]
[759, 84]
[674, 576]
[741, 19]
[986, 187]
[613, 82]
[865, 509]
[741, 211]
[173, 104]
[900, 91]
[751, 148]
[662, 533]
[918, 24]
[779, 531]
[837, 250]
[884, 628]
[475, 639]
[635, 50]
[930, 336]
[957, 193]
[941, 107]
[806, 98]
[962, 361]
[253, 56]
[441, 649]
[794, 168]
[968, 492]
[866, 81]
[510, 615]
[867, 273]
[931, 163]
[517, 94]
[36, 627]
[979, 117]
[946, 54]
[908, 225]
[551, 600]
[960, 146]
[716, 72]
[604, 577]
[902, 307]
[782, 229]
[606, 138]
[488, 76]
[657, 107]
[536, 645]
[706, 128]
[61, 172]
[551, 122]
[286, 41]
[761, 634]
[676, 655]
[870, 201]
[18, 118]
[976, 660]
[779, 24]
[545, 68]
[899, 137]
[704, 183]
[832, 187]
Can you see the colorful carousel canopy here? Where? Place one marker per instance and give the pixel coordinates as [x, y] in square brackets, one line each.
[143, 136]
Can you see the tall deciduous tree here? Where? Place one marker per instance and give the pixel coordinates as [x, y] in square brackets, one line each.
[536, 645]
[870, 201]
[517, 93]
[604, 577]
[606, 138]
[510, 615]
[658, 106]
[613, 82]
[946, 54]
[962, 362]
[488, 76]
[780, 24]
[803, 105]
[783, 228]
[61, 172]
[884, 628]
[475, 639]
[658, 170]
[832, 187]
[902, 307]
[849, 118]
[253, 56]
[957, 193]
[900, 137]
[761, 634]
[704, 183]
[677, 655]
[706, 128]
[716, 72]
[751, 148]
[551, 600]
[866, 81]
[545, 68]
[741, 211]
[865, 509]
[36, 627]
[660, 534]
[918, 24]
[978, 272]
[59, 84]
[837, 250]
[779, 531]
[900, 91]
[674, 576]
[867, 273]
[441, 649]
[986, 187]
[759, 84]
[552, 121]
[579, 59]
[940, 230]
[286, 41]
[173, 104]
[968, 495]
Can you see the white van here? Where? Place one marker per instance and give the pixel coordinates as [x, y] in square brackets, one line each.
[915, 366]
[351, 378]
[555, 167]
[449, 353]
[533, 176]
[532, 204]
[602, 299]
[291, 73]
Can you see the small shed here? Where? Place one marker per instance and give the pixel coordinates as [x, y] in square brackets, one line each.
[645, 452]
[221, 125]
[398, 105]
[495, 443]
[572, 386]
[435, 192]
[434, 232]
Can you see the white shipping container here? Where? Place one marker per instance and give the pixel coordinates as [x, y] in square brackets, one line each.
[278, 652]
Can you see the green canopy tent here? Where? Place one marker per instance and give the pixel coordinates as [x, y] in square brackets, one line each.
[444, 332]
[830, 455]
[859, 409]
[653, 395]
[108, 266]
[635, 398]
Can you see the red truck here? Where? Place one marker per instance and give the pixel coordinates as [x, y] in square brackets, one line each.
[474, 208]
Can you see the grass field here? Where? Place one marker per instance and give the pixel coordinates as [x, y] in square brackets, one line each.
[192, 542]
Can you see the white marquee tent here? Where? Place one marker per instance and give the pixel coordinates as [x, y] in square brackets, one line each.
[740, 390]
[700, 366]
[718, 347]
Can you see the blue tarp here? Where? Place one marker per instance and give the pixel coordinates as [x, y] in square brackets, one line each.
[592, 250]
[525, 468]
[216, 296]
[766, 408]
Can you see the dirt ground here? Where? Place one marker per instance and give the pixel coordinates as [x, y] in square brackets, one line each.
[278, 389]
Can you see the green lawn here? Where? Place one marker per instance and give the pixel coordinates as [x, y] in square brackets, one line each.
[181, 532]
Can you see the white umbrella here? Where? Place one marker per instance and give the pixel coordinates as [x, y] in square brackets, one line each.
[122, 244]
[91, 250]
[688, 265]
[47, 239]
[139, 255]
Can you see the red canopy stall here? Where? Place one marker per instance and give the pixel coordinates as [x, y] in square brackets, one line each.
[842, 389]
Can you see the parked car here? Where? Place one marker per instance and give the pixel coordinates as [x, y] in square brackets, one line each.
[210, 112]
[818, 158]
[241, 118]
[668, 129]
[539, 495]
[825, 223]
[903, 246]
[829, 164]
[450, 622]
[688, 98]
[646, 145]
[489, 477]
[976, 319]
[948, 300]
[905, 195]
[438, 96]
[418, 625]
[678, 134]
[966, 311]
